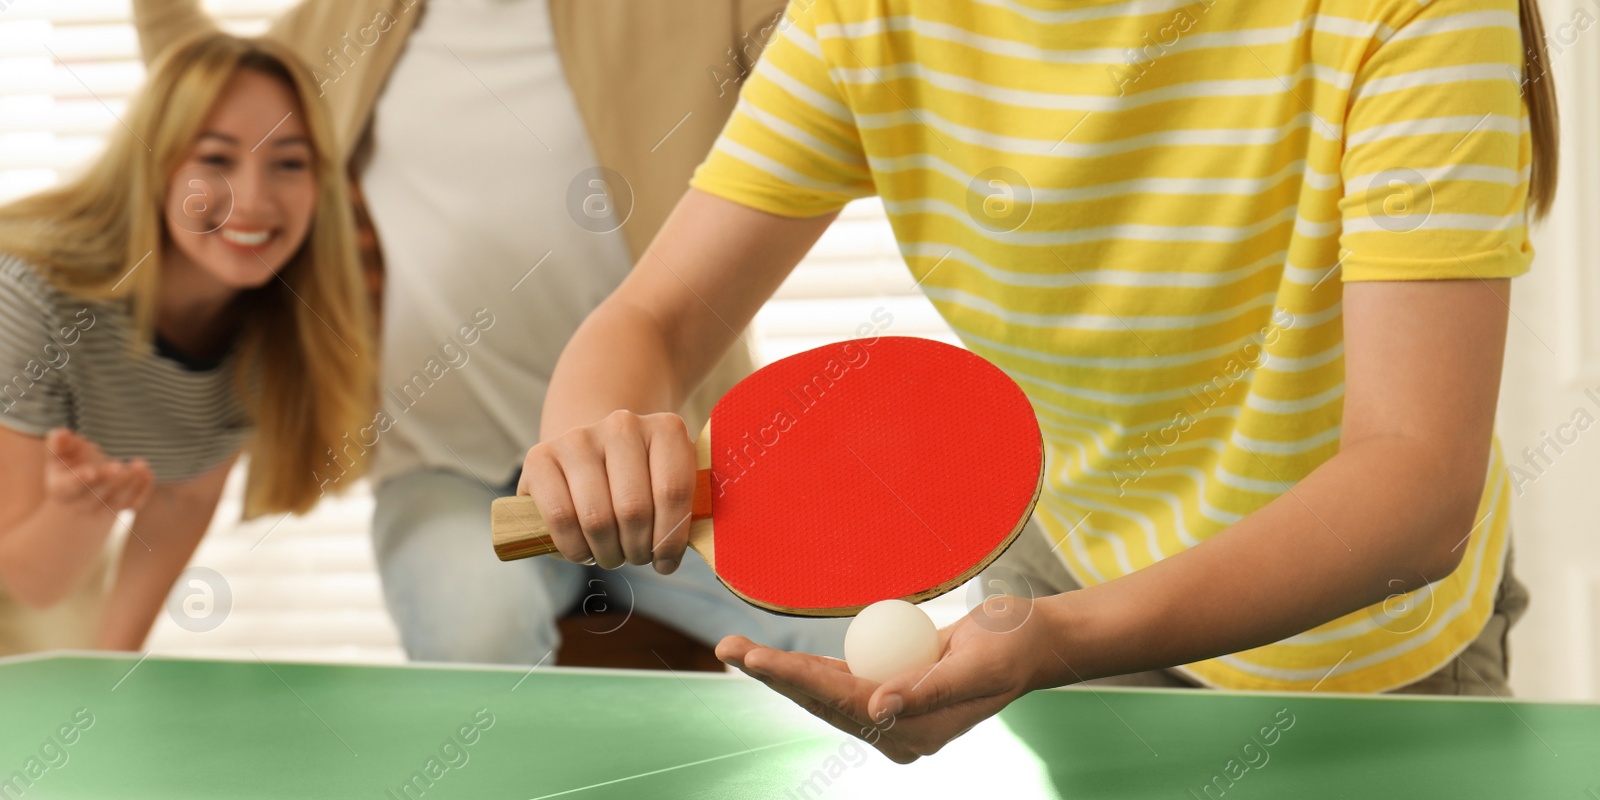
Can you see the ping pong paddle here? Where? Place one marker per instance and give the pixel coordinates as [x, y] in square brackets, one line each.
[860, 471]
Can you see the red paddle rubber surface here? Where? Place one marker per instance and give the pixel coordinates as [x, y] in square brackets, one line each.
[868, 470]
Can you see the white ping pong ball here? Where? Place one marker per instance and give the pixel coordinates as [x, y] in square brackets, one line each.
[890, 637]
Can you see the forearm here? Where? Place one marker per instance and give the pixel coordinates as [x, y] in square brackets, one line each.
[618, 359]
[165, 535]
[44, 555]
[651, 343]
[1379, 518]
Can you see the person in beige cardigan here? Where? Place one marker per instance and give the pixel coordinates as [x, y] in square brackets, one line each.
[517, 157]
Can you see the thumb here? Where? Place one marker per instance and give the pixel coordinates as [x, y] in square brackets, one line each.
[960, 675]
[61, 442]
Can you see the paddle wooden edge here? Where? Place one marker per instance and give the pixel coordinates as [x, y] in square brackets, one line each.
[927, 594]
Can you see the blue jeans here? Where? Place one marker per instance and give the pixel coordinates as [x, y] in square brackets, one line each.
[454, 600]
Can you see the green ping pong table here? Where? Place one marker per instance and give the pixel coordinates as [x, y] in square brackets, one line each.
[118, 726]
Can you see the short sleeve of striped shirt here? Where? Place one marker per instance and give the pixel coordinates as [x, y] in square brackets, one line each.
[791, 146]
[1437, 151]
[32, 401]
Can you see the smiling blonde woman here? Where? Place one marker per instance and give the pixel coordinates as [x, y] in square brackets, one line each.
[195, 293]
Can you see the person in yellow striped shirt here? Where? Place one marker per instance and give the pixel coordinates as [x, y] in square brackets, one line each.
[1249, 261]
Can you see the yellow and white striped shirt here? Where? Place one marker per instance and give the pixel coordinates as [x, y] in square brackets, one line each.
[1136, 208]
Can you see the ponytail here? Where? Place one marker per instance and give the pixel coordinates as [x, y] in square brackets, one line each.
[1544, 118]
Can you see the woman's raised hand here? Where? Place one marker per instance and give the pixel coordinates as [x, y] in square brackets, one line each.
[80, 474]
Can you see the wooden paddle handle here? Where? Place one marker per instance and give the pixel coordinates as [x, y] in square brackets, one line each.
[519, 530]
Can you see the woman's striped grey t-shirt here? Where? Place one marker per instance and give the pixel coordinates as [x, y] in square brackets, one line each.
[67, 362]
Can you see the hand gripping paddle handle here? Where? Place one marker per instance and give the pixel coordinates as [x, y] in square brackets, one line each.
[520, 532]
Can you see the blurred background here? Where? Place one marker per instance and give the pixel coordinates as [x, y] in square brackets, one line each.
[306, 588]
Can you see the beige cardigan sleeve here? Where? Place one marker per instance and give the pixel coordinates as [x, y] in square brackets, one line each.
[758, 19]
[349, 46]
[163, 23]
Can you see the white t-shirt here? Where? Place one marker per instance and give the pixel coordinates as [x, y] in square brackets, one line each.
[478, 146]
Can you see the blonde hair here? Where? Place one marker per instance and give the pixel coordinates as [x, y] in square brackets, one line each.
[1544, 117]
[304, 354]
